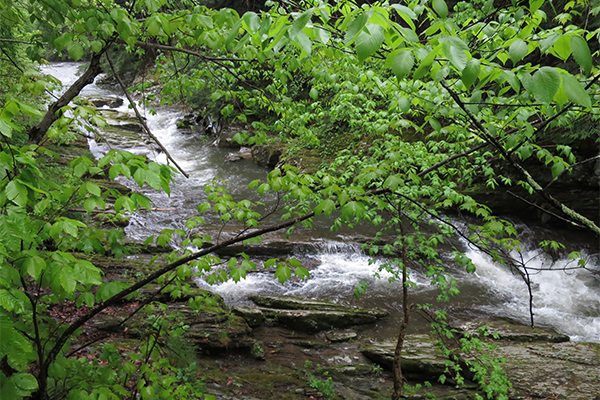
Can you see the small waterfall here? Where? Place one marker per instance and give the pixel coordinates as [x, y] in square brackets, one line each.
[565, 299]
[340, 268]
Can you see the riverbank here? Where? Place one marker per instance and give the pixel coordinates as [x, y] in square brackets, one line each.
[272, 335]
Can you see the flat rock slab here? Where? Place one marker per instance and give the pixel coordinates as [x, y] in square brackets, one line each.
[537, 370]
[552, 371]
[108, 101]
[298, 303]
[420, 357]
[341, 336]
[314, 321]
[507, 330]
[312, 315]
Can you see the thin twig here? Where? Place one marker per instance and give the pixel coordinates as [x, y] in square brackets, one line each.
[141, 119]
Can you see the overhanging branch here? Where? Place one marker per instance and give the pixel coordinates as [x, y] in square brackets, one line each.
[141, 119]
[573, 215]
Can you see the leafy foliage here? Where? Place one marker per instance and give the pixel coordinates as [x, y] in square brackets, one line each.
[428, 96]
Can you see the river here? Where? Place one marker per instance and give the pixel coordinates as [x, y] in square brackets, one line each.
[567, 300]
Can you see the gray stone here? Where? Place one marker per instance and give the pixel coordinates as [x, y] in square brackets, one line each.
[313, 315]
[542, 370]
[507, 330]
[266, 155]
[109, 101]
[420, 357]
[341, 336]
[253, 316]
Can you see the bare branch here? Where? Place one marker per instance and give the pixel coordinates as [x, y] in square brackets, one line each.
[141, 119]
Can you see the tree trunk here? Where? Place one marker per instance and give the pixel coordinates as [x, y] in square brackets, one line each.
[397, 366]
[37, 133]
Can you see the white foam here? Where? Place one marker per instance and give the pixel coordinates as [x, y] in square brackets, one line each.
[567, 300]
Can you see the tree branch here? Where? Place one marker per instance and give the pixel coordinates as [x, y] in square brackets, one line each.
[572, 214]
[141, 119]
[62, 340]
[37, 133]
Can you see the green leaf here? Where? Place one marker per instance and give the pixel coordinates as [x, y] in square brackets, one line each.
[353, 209]
[369, 41]
[251, 22]
[355, 27]
[545, 83]
[471, 72]
[110, 289]
[67, 279]
[17, 193]
[575, 91]
[153, 25]
[301, 273]
[92, 188]
[562, 47]
[87, 298]
[237, 274]
[557, 169]
[314, 93]
[535, 5]
[404, 104]
[7, 301]
[5, 129]
[456, 54]
[75, 50]
[581, 53]
[322, 35]
[24, 381]
[326, 206]
[402, 63]
[441, 8]
[392, 182]
[435, 124]
[525, 151]
[300, 23]
[512, 80]
[303, 42]
[153, 179]
[283, 273]
[90, 204]
[406, 14]
[517, 50]
[34, 266]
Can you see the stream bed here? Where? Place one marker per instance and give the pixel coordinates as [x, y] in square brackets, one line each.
[564, 299]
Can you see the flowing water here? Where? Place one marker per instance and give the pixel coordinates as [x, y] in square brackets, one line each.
[565, 299]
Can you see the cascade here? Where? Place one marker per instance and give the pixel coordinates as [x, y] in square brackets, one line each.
[567, 300]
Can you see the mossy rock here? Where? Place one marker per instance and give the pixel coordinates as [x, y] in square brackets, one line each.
[253, 316]
[502, 329]
[267, 155]
[420, 357]
[299, 303]
[313, 315]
